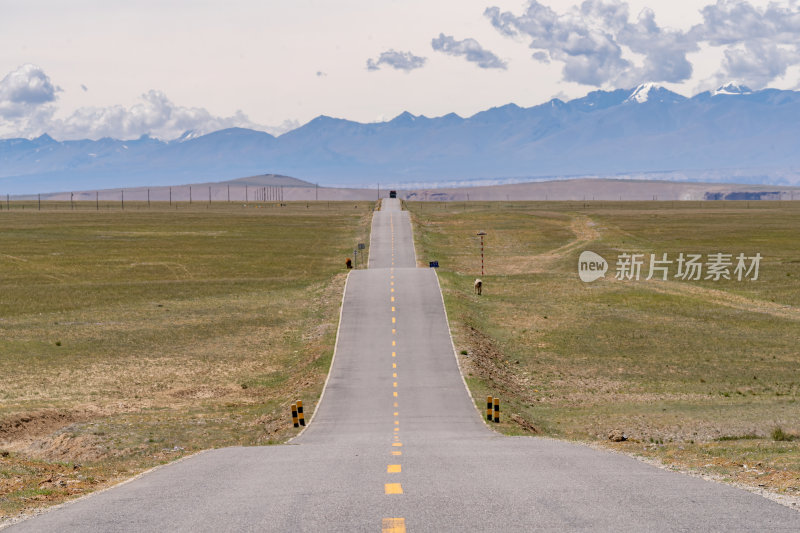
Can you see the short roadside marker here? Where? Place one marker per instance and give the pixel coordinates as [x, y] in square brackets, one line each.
[300, 414]
[294, 415]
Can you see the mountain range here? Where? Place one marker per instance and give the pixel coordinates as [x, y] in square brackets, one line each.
[648, 129]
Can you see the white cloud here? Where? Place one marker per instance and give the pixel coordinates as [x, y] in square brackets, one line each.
[470, 49]
[734, 21]
[24, 91]
[397, 60]
[757, 63]
[581, 39]
[598, 43]
[759, 44]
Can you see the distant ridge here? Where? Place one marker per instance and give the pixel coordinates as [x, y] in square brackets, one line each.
[649, 129]
[269, 180]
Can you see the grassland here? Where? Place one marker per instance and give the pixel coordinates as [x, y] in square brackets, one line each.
[701, 375]
[132, 338]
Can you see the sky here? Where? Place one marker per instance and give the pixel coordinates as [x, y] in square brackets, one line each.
[109, 68]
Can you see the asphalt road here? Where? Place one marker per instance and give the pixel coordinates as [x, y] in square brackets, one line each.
[396, 444]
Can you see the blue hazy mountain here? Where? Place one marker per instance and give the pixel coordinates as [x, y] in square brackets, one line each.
[646, 129]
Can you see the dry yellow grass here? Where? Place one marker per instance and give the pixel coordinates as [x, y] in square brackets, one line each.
[131, 339]
[693, 373]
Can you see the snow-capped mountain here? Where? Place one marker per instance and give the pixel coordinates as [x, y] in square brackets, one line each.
[652, 92]
[646, 129]
[732, 88]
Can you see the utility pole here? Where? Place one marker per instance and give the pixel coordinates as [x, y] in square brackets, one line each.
[481, 235]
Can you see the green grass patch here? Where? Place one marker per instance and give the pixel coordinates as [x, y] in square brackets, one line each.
[670, 363]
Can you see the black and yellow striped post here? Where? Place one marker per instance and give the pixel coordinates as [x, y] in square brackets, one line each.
[489, 408]
[497, 410]
[294, 416]
[300, 414]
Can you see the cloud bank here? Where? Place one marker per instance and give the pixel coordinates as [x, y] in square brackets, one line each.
[599, 44]
[397, 60]
[470, 49]
[28, 108]
[155, 115]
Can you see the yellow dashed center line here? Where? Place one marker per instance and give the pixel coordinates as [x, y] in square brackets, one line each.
[393, 488]
[393, 525]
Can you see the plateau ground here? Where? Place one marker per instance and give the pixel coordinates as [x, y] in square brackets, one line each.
[701, 375]
[130, 339]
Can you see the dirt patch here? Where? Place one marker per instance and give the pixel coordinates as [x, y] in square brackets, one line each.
[66, 447]
[37, 423]
[487, 361]
[202, 393]
[523, 423]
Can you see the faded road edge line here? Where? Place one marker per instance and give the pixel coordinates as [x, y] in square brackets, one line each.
[333, 360]
[46, 510]
[371, 233]
[458, 363]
